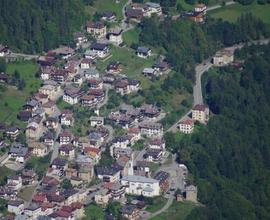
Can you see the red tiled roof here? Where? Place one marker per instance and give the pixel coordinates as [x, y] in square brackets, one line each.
[200, 107]
[187, 122]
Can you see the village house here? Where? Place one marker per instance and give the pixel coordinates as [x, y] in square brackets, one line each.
[64, 52]
[186, 126]
[151, 129]
[4, 50]
[223, 57]
[161, 66]
[33, 211]
[95, 83]
[157, 144]
[191, 193]
[143, 52]
[51, 90]
[99, 94]
[96, 29]
[135, 132]
[93, 152]
[89, 100]
[66, 117]
[29, 177]
[142, 168]
[12, 132]
[121, 86]
[95, 139]
[86, 172]
[130, 211]
[138, 185]
[33, 130]
[86, 63]
[163, 179]
[59, 76]
[16, 207]
[67, 150]
[115, 36]
[72, 95]
[65, 137]
[96, 121]
[3, 77]
[153, 155]
[79, 38]
[46, 60]
[14, 182]
[102, 50]
[31, 105]
[78, 79]
[90, 54]
[91, 73]
[39, 149]
[48, 139]
[108, 16]
[108, 174]
[19, 153]
[125, 164]
[117, 190]
[135, 14]
[102, 197]
[114, 68]
[25, 115]
[149, 72]
[200, 112]
[52, 122]
[59, 165]
[118, 152]
[200, 8]
[152, 8]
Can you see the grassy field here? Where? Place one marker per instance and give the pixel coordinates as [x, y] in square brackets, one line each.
[177, 211]
[233, 12]
[5, 172]
[107, 5]
[26, 193]
[133, 65]
[158, 203]
[94, 212]
[13, 99]
[131, 36]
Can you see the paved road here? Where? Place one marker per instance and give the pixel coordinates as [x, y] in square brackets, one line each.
[22, 55]
[200, 69]
[219, 6]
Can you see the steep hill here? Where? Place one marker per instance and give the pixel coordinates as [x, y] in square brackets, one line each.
[38, 25]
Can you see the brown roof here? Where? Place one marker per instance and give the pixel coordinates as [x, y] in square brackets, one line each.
[200, 107]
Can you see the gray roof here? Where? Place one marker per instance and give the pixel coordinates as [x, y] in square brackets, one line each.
[143, 49]
[140, 179]
[152, 5]
[19, 151]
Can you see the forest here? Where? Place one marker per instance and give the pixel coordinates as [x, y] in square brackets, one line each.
[33, 26]
[187, 43]
[229, 158]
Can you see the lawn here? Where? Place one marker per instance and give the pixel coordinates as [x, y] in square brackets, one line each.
[133, 65]
[94, 212]
[233, 12]
[107, 5]
[131, 36]
[158, 203]
[177, 211]
[39, 164]
[5, 172]
[13, 99]
[26, 193]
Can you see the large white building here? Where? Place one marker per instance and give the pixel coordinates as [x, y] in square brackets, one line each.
[200, 113]
[139, 185]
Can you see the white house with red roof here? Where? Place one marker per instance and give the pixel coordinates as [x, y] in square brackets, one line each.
[186, 126]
